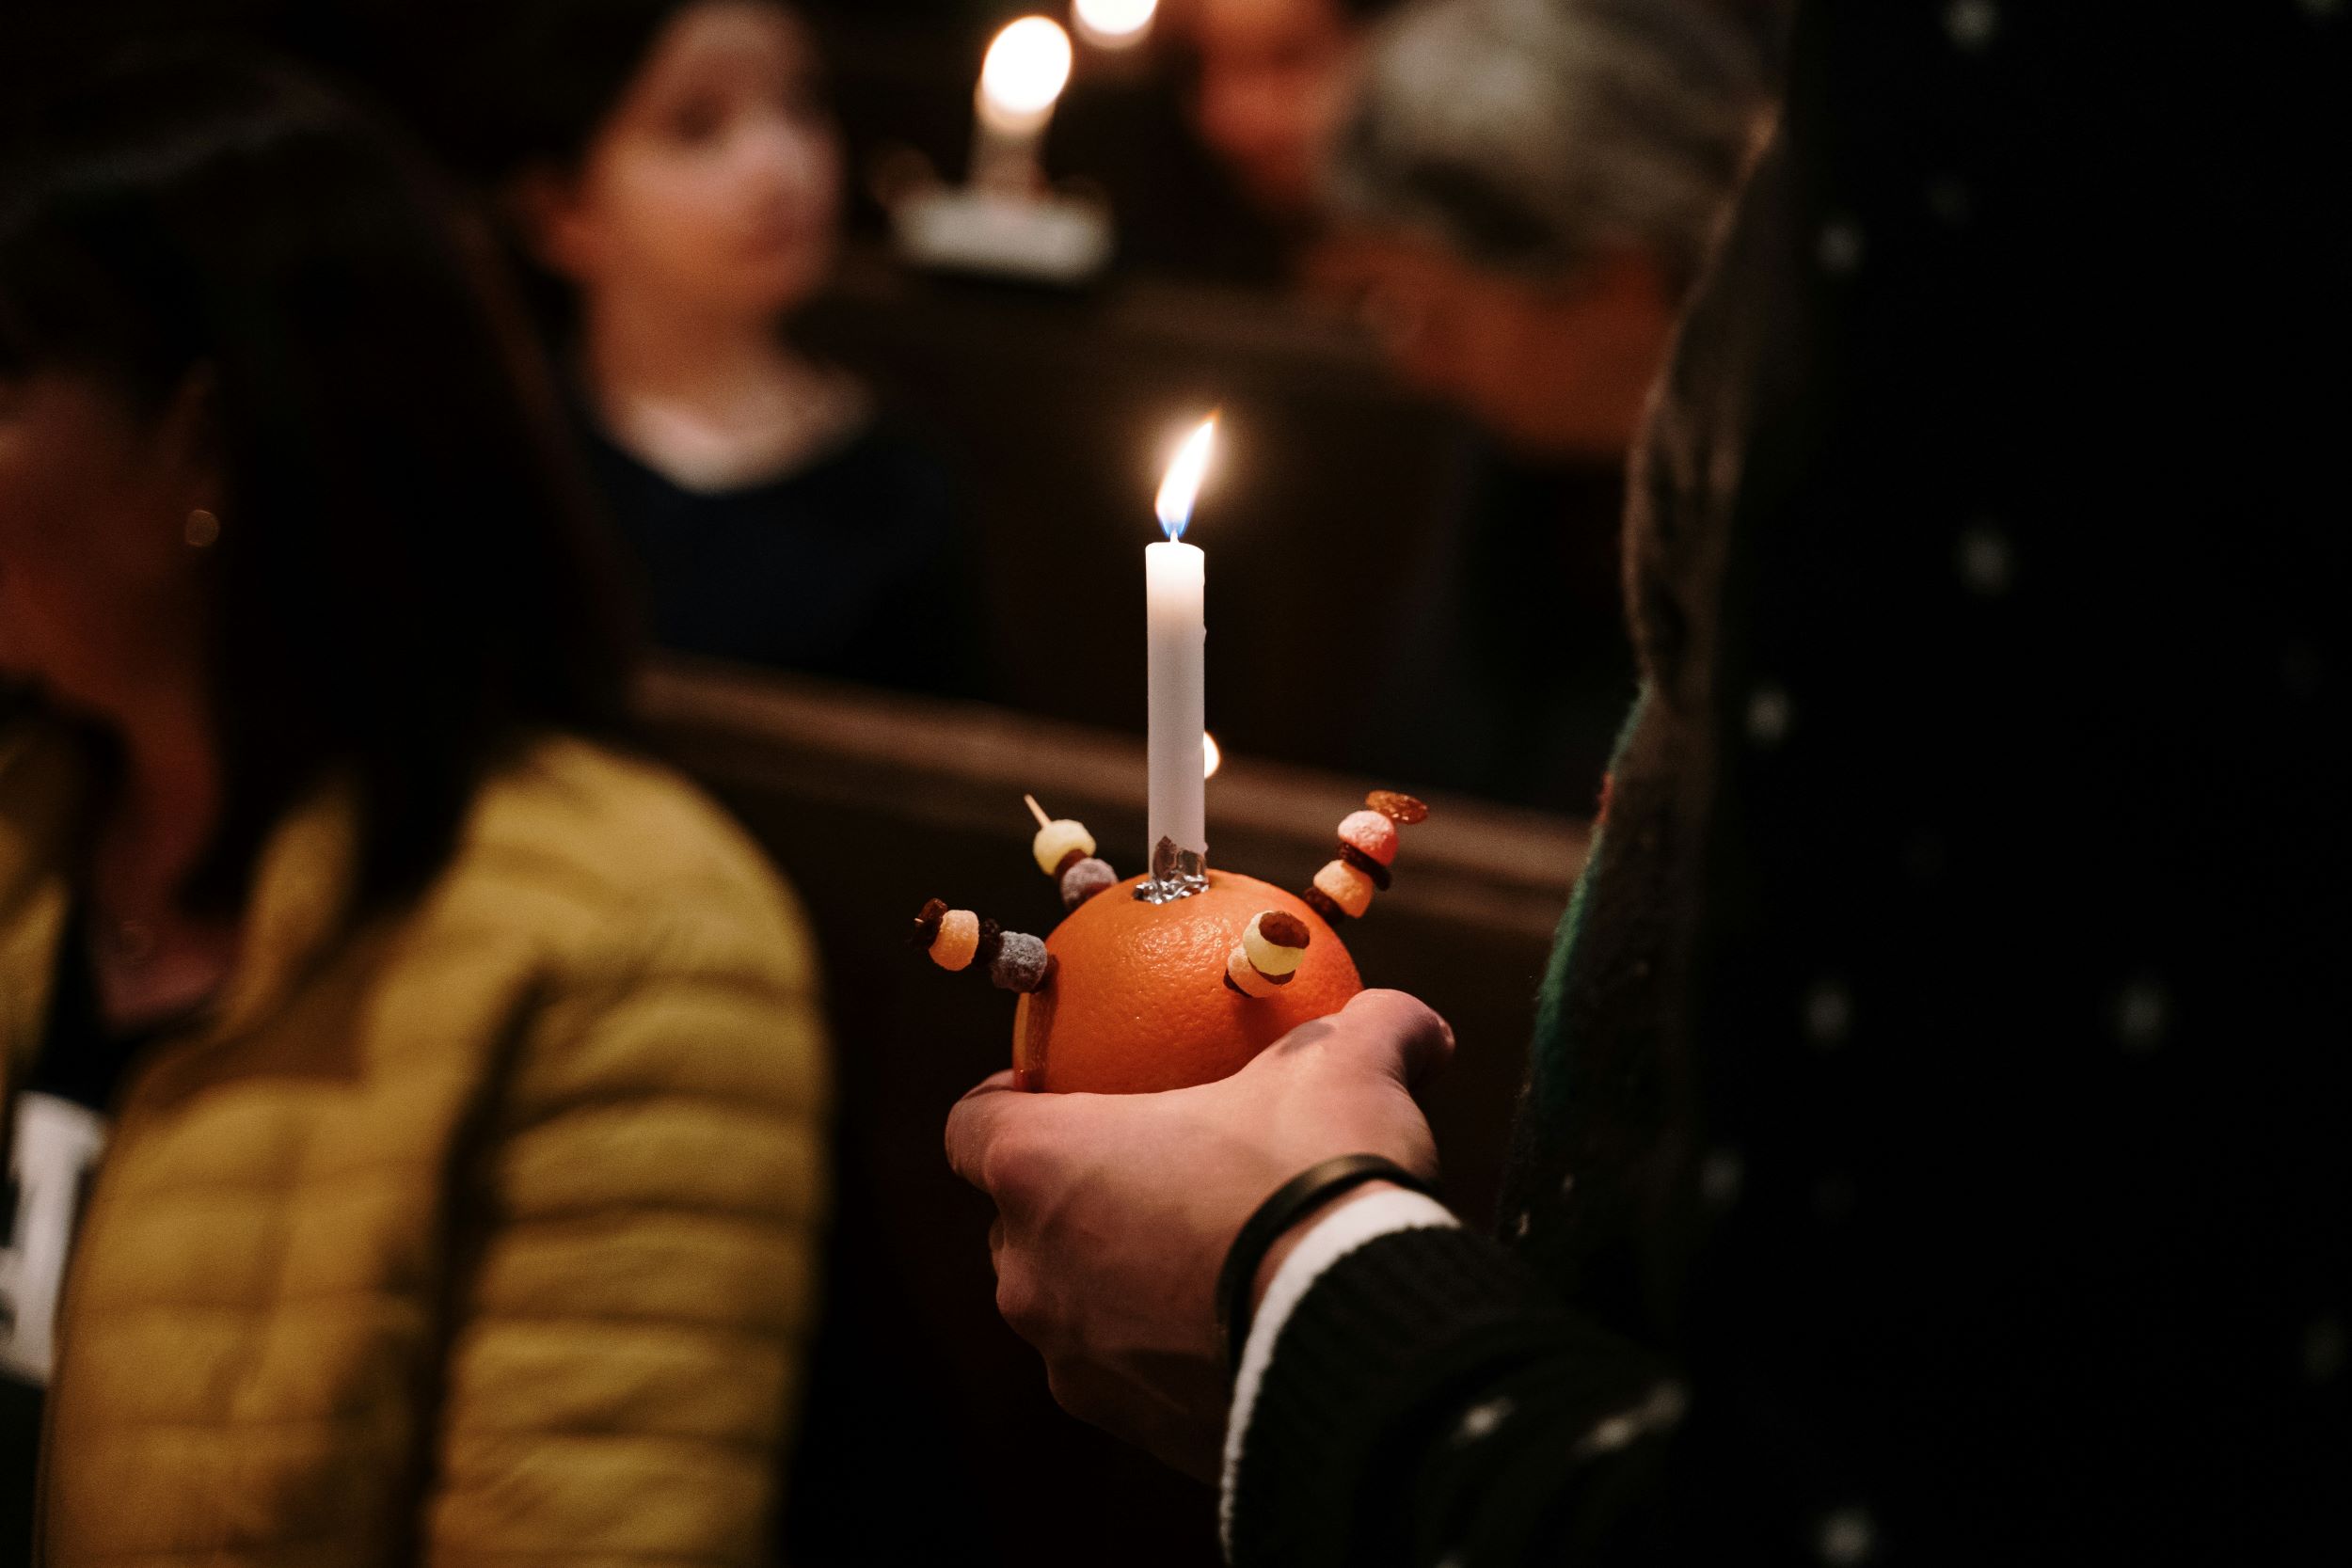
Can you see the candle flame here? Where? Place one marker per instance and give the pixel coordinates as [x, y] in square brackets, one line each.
[1212, 757]
[1027, 67]
[1182, 487]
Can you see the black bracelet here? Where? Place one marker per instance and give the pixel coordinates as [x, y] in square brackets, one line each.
[1292, 1202]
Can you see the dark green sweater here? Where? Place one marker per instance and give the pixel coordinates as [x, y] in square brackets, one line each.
[1938, 1141]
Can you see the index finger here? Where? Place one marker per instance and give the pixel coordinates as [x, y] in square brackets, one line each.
[974, 1122]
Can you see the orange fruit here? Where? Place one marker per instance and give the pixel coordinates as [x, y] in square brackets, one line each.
[1138, 1002]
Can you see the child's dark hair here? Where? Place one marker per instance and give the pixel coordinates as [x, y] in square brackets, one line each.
[408, 581]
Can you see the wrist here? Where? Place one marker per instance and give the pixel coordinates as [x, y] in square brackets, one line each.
[1288, 1242]
[1312, 1191]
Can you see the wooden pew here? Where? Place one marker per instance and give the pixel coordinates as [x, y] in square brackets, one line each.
[873, 802]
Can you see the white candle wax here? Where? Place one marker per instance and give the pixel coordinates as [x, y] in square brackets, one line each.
[1175, 579]
[1027, 67]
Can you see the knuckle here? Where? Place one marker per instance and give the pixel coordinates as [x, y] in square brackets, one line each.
[1020, 1305]
[1011, 1168]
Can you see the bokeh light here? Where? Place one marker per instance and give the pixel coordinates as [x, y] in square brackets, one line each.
[1027, 67]
[1115, 23]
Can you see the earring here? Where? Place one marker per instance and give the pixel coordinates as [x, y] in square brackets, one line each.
[202, 531]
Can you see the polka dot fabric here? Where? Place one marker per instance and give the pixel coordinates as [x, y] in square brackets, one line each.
[1945, 1077]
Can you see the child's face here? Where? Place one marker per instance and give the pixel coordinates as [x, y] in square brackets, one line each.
[716, 185]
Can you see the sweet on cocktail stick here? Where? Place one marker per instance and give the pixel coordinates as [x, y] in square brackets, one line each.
[1065, 852]
[1267, 958]
[958, 939]
[1368, 841]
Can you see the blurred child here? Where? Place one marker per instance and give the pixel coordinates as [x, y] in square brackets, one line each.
[675, 167]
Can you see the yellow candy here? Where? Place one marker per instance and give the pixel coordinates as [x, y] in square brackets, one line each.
[1345, 886]
[1054, 841]
[1238, 970]
[1270, 957]
[957, 940]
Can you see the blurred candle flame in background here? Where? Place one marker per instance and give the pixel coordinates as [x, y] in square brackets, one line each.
[1027, 67]
[1115, 23]
[1182, 487]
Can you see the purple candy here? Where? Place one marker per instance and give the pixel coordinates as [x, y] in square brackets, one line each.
[1084, 880]
[1021, 962]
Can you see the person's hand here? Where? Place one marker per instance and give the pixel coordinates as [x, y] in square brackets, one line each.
[1115, 1212]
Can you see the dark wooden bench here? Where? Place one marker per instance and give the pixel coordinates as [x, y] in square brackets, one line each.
[929, 1435]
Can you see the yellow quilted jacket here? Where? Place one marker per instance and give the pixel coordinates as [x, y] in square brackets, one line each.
[483, 1233]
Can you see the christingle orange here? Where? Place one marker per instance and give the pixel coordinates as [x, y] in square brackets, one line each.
[1132, 996]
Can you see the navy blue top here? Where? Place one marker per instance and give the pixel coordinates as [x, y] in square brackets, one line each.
[854, 566]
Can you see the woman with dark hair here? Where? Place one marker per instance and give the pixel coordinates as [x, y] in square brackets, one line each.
[414, 1100]
[675, 169]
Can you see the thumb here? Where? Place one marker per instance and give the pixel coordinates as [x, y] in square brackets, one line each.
[1414, 1042]
[977, 1120]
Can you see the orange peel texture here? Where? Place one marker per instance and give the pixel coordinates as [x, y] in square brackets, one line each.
[1138, 1003]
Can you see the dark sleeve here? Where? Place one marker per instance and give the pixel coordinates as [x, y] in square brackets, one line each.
[1430, 1402]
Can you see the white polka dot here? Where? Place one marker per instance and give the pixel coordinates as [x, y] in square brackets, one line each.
[1567, 1184]
[1720, 1176]
[1986, 562]
[1847, 1537]
[2143, 1013]
[1840, 248]
[1661, 1408]
[1612, 1434]
[1769, 716]
[1833, 1199]
[1479, 1419]
[2323, 1350]
[1453, 1559]
[1520, 1227]
[1949, 200]
[1971, 22]
[1828, 1014]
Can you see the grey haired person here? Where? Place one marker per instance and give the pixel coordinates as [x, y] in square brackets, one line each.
[1532, 134]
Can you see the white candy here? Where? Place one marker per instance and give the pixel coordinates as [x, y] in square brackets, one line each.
[1271, 957]
[1054, 841]
[1252, 983]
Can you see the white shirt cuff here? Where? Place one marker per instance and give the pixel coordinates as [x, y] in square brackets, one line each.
[1329, 1239]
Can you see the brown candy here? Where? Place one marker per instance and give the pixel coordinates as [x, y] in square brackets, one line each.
[926, 921]
[1317, 900]
[1365, 864]
[991, 943]
[1401, 809]
[1285, 929]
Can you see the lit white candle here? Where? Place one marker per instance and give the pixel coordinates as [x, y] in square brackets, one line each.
[1175, 578]
[1021, 81]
